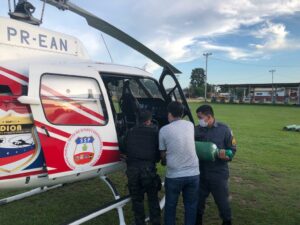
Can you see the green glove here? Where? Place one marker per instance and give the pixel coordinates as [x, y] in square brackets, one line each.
[229, 153]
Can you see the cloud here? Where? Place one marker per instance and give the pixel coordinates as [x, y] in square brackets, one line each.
[181, 31]
[175, 29]
[233, 52]
[275, 37]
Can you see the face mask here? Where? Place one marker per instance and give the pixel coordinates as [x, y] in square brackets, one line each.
[202, 123]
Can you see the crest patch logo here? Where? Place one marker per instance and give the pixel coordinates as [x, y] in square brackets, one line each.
[83, 149]
[18, 145]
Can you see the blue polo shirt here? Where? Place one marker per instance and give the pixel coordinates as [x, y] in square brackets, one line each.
[221, 135]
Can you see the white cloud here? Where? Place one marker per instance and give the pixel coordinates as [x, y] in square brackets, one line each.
[275, 37]
[171, 27]
[175, 28]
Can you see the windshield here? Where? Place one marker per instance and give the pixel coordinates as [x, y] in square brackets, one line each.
[139, 87]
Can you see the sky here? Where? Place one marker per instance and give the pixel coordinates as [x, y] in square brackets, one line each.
[247, 38]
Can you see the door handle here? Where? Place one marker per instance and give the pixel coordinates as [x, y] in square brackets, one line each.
[29, 100]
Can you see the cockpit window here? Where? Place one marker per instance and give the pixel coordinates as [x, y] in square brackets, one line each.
[129, 95]
[152, 87]
[137, 89]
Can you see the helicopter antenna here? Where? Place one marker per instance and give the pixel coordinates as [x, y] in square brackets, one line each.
[145, 66]
[9, 6]
[107, 49]
[43, 11]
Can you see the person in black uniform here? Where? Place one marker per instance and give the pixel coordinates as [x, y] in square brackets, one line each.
[141, 150]
[214, 174]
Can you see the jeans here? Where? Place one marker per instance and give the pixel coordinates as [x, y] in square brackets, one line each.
[189, 188]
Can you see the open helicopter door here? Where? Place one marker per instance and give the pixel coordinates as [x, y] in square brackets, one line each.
[174, 92]
[73, 117]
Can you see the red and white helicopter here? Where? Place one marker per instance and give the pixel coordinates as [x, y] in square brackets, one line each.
[61, 114]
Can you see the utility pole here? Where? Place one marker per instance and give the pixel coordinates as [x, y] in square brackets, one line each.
[205, 83]
[272, 71]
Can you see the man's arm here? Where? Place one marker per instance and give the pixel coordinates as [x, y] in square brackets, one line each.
[162, 148]
[123, 146]
[157, 152]
[230, 144]
[163, 154]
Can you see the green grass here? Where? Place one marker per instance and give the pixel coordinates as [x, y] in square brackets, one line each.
[264, 182]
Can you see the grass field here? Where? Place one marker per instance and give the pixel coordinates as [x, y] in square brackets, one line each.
[264, 182]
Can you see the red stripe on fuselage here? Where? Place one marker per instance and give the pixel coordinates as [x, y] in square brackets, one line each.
[112, 144]
[52, 129]
[15, 74]
[23, 175]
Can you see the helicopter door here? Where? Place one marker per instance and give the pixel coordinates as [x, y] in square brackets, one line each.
[173, 91]
[73, 117]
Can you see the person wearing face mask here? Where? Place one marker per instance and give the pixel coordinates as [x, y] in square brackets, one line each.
[214, 174]
[177, 146]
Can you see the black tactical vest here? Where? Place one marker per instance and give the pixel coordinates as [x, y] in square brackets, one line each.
[142, 145]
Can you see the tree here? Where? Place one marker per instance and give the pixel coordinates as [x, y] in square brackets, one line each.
[197, 77]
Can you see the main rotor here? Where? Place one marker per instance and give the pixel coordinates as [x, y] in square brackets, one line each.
[23, 11]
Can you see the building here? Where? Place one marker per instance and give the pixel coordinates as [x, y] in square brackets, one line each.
[265, 92]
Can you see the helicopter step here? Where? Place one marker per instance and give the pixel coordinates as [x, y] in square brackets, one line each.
[118, 204]
[26, 194]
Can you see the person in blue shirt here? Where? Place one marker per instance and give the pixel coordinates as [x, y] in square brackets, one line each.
[214, 174]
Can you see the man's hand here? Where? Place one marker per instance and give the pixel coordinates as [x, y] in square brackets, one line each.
[163, 158]
[222, 155]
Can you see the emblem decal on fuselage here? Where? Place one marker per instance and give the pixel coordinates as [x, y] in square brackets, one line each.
[83, 149]
[18, 146]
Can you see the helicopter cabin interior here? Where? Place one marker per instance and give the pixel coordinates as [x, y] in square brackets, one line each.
[129, 95]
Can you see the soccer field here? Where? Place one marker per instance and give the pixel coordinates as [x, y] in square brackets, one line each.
[264, 182]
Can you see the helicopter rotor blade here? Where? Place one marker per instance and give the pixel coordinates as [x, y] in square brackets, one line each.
[114, 32]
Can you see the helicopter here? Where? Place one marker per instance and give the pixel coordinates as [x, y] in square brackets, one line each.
[62, 114]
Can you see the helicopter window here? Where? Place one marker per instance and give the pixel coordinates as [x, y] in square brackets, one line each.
[146, 94]
[171, 88]
[115, 91]
[136, 89]
[140, 87]
[70, 100]
[152, 87]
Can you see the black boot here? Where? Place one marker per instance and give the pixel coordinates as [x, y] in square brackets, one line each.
[199, 220]
[228, 222]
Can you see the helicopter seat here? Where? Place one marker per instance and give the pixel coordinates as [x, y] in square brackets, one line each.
[130, 106]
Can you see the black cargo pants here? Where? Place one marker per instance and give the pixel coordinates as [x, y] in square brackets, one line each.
[141, 180]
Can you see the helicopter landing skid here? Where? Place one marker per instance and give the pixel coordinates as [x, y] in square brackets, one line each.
[26, 194]
[118, 204]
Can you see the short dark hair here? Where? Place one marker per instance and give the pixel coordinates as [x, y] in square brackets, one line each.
[206, 110]
[144, 116]
[176, 109]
